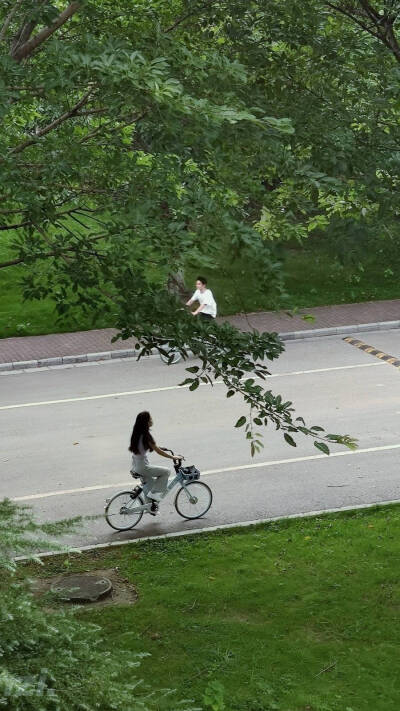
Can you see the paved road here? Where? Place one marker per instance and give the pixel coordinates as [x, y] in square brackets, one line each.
[65, 433]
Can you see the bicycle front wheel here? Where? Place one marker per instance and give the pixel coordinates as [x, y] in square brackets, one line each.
[193, 500]
[124, 511]
[172, 357]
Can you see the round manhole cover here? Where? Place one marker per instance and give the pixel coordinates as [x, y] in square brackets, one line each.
[82, 588]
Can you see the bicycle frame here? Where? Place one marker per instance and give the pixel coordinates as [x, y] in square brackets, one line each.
[178, 479]
[171, 350]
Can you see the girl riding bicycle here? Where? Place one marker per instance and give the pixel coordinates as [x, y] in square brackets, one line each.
[142, 442]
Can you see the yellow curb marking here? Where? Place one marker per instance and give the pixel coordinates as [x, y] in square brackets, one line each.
[392, 360]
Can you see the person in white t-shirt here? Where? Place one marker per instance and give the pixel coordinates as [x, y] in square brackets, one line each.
[207, 308]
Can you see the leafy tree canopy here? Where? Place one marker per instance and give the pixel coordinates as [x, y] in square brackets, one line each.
[50, 659]
[136, 136]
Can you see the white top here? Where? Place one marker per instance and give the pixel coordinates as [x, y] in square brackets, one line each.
[206, 297]
[141, 457]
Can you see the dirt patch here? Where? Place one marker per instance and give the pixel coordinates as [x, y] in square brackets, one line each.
[123, 591]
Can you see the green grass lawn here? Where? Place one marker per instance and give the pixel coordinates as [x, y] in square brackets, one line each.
[31, 318]
[313, 277]
[27, 318]
[298, 615]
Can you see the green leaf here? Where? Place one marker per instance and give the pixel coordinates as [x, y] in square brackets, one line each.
[194, 385]
[322, 446]
[241, 421]
[289, 440]
[249, 382]
[283, 125]
[186, 382]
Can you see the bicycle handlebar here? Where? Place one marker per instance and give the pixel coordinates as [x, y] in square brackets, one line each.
[165, 449]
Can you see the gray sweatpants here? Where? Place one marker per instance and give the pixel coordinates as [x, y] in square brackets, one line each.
[155, 479]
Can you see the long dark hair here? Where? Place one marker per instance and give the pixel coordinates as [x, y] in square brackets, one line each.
[141, 429]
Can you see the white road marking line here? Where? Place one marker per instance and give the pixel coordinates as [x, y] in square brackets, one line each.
[93, 397]
[326, 370]
[176, 387]
[257, 465]
[63, 492]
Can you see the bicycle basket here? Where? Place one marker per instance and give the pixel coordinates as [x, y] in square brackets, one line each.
[190, 473]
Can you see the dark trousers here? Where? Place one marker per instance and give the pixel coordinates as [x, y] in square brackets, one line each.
[205, 316]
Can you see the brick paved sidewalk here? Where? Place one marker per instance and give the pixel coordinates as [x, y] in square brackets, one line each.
[57, 345]
[325, 317]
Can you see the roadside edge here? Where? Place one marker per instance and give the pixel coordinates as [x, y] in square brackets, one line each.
[131, 352]
[210, 529]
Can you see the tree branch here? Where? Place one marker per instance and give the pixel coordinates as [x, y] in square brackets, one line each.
[22, 36]
[24, 50]
[51, 126]
[98, 130]
[189, 14]
[16, 226]
[355, 19]
[8, 19]
[370, 11]
[90, 112]
[29, 222]
[383, 25]
[46, 255]
[59, 252]
[391, 42]
[17, 211]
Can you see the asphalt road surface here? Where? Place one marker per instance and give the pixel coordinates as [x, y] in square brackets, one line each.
[65, 433]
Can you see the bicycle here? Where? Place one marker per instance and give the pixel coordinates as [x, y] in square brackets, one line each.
[193, 499]
[173, 355]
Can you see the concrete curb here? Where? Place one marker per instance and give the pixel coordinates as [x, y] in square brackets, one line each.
[130, 352]
[338, 330]
[211, 529]
[67, 360]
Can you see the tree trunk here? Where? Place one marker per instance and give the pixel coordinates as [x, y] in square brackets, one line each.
[176, 285]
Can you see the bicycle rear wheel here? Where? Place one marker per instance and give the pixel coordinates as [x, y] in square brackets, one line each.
[124, 510]
[193, 500]
[173, 357]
